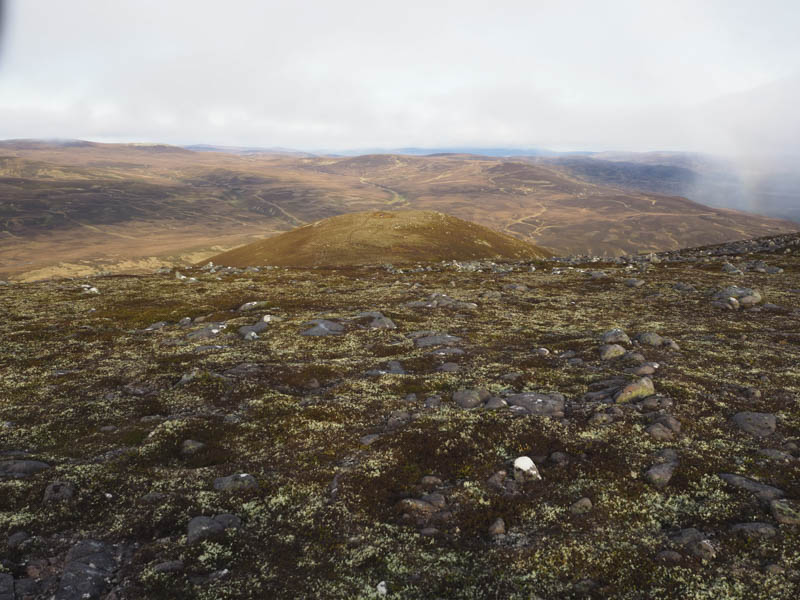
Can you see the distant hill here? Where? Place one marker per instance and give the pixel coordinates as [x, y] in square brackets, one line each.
[85, 206]
[398, 237]
[764, 187]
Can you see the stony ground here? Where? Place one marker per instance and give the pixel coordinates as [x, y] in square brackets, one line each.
[584, 429]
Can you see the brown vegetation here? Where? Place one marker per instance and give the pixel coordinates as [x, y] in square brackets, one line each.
[399, 237]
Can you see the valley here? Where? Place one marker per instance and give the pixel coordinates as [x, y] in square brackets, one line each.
[80, 206]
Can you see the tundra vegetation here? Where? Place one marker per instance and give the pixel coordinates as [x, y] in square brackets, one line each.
[551, 428]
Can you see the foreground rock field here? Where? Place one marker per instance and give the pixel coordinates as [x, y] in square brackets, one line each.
[566, 428]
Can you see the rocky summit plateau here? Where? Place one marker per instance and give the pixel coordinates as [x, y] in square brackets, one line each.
[533, 427]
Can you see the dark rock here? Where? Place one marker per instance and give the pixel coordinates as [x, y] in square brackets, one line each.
[87, 573]
[660, 432]
[754, 423]
[776, 455]
[582, 506]
[207, 528]
[19, 469]
[785, 512]
[754, 530]
[170, 566]
[650, 338]
[238, 481]
[762, 490]
[545, 405]
[203, 528]
[323, 327]
[660, 475]
[495, 403]
[442, 339]
[467, 398]
[59, 491]
[6, 586]
[15, 540]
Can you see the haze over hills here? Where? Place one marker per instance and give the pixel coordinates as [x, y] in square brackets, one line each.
[402, 237]
[764, 186]
[73, 207]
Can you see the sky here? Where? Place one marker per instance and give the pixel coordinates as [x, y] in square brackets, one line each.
[712, 76]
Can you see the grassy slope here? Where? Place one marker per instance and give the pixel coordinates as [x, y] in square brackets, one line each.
[399, 237]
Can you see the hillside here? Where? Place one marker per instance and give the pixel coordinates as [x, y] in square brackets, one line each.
[398, 237]
[760, 186]
[73, 208]
[588, 429]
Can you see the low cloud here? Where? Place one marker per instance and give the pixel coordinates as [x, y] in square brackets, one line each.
[721, 78]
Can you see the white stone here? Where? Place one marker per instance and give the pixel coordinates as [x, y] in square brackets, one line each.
[525, 468]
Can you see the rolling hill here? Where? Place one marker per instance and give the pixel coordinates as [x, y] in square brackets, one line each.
[72, 208]
[400, 237]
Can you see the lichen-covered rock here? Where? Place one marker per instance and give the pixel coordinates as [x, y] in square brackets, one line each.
[633, 391]
[59, 491]
[615, 336]
[660, 475]
[785, 512]
[467, 398]
[611, 351]
[237, 481]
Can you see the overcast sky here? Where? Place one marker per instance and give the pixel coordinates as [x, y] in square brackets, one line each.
[719, 76]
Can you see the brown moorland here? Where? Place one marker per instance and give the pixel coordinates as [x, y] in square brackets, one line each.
[401, 237]
[81, 207]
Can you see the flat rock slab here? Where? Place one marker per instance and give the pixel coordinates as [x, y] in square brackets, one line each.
[762, 490]
[442, 339]
[19, 469]
[754, 423]
[323, 327]
[543, 405]
[754, 530]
